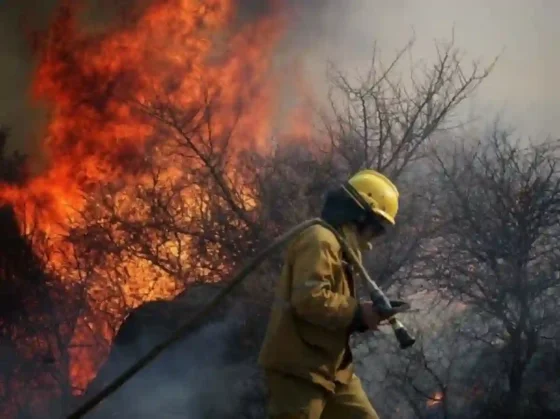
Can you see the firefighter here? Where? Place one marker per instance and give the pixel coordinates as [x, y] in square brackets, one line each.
[305, 354]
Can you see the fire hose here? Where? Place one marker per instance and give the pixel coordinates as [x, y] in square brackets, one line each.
[383, 305]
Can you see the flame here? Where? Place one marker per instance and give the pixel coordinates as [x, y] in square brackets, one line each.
[100, 89]
[435, 400]
[95, 85]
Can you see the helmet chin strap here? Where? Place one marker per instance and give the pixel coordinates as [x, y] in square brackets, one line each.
[355, 195]
[369, 216]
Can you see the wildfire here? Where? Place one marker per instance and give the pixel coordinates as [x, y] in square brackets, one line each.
[106, 90]
[95, 85]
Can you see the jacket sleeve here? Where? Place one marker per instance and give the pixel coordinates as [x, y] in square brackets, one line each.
[313, 276]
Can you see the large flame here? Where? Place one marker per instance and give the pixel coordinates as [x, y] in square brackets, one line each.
[97, 85]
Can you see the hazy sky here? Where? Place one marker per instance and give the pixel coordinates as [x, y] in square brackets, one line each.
[525, 85]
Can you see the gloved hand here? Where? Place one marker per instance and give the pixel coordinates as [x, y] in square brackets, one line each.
[399, 306]
[367, 317]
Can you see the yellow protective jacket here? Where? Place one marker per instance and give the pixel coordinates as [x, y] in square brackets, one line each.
[314, 307]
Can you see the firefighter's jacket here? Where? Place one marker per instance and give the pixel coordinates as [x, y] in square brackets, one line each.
[313, 310]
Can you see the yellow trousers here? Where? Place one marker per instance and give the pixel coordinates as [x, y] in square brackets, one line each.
[295, 398]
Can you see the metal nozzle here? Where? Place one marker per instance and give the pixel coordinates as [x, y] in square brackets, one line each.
[404, 338]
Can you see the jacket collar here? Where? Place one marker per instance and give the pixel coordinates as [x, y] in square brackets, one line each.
[350, 234]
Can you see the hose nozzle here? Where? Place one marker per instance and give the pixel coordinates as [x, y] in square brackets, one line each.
[404, 338]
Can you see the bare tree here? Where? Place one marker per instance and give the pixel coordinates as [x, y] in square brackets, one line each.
[382, 121]
[37, 322]
[439, 376]
[36, 317]
[499, 253]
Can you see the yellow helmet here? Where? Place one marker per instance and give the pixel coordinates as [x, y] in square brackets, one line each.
[372, 189]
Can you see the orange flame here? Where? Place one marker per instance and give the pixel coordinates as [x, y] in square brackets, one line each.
[94, 85]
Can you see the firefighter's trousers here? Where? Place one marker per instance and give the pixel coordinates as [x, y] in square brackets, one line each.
[295, 398]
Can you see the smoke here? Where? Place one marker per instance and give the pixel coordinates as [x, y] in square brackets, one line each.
[197, 378]
[306, 18]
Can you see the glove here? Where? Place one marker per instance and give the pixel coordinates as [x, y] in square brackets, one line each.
[358, 324]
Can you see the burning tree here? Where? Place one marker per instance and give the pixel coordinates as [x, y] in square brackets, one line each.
[37, 316]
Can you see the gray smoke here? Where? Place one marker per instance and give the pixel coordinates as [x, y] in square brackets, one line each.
[195, 378]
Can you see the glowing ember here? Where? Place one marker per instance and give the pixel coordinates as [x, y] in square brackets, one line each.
[435, 400]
